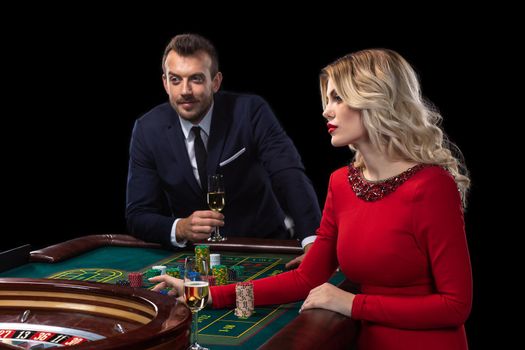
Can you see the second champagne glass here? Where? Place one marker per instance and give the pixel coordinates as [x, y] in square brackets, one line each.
[216, 201]
[196, 291]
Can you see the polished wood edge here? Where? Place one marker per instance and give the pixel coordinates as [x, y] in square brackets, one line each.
[314, 327]
[172, 321]
[111, 291]
[113, 301]
[130, 316]
[256, 245]
[77, 246]
[317, 326]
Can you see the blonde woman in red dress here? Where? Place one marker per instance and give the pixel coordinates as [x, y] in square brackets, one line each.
[393, 218]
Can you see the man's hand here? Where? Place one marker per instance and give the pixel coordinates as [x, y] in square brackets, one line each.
[329, 297]
[198, 225]
[294, 263]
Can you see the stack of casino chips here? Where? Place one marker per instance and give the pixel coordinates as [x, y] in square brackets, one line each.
[152, 273]
[161, 268]
[123, 283]
[135, 279]
[173, 272]
[215, 259]
[181, 268]
[202, 252]
[220, 272]
[244, 300]
[193, 276]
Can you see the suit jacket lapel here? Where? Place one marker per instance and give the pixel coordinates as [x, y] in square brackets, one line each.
[220, 124]
[178, 145]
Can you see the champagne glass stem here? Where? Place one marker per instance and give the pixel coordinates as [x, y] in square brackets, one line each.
[194, 330]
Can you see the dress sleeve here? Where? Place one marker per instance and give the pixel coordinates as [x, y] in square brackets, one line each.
[317, 267]
[439, 230]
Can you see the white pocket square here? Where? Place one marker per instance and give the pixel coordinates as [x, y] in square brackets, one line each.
[232, 158]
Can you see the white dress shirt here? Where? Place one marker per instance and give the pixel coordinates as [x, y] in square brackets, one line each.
[189, 139]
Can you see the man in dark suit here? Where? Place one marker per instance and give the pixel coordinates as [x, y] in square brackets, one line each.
[263, 173]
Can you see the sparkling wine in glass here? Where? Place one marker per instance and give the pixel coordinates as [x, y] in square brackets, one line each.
[216, 201]
[196, 291]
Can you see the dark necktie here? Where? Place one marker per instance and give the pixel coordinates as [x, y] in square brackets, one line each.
[201, 156]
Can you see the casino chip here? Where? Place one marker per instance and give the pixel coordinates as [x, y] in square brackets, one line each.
[122, 283]
[160, 268]
[221, 275]
[244, 299]
[215, 259]
[173, 272]
[135, 279]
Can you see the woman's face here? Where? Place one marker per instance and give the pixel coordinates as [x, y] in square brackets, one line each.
[344, 122]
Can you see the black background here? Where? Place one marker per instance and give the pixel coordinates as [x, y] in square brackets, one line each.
[76, 85]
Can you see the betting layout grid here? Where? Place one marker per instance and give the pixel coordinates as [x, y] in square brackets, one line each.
[230, 270]
[239, 269]
[219, 322]
[225, 269]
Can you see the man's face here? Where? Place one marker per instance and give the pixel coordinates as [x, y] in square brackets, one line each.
[189, 84]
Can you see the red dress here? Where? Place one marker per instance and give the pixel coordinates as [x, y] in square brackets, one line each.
[407, 250]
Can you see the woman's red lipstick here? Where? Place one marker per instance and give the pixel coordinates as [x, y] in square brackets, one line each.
[331, 127]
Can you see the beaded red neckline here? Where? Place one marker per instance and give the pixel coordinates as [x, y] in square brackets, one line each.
[372, 191]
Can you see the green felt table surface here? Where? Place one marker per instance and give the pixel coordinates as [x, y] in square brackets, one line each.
[218, 329]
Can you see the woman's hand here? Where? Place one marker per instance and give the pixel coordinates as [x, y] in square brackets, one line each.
[166, 281]
[329, 297]
[176, 285]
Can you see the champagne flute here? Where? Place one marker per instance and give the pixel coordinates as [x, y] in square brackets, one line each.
[196, 291]
[216, 201]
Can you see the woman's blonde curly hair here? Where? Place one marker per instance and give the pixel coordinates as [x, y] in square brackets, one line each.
[399, 121]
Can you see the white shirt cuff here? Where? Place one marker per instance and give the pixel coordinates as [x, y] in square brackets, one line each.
[308, 240]
[174, 236]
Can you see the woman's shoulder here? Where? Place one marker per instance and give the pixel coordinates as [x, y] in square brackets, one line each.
[434, 181]
[434, 174]
[341, 173]
[339, 177]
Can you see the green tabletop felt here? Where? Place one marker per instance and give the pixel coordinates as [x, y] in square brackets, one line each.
[218, 329]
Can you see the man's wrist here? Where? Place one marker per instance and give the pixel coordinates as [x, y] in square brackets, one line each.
[308, 240]
[181, 243]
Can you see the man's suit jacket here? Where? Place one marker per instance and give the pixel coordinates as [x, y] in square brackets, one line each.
[263, 173]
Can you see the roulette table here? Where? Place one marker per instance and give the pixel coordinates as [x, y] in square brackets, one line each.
[65, 295]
